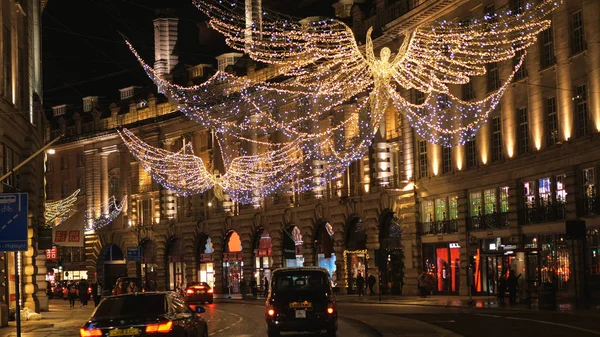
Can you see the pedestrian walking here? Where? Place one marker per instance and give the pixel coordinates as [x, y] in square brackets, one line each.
[83, 292]
[360, 284]
[502, 288]
[371, 280]
[423, 285]
[512, 285]
[244, 288]
[266, 287]
[96, 291]
[253, 287]
[72, 294]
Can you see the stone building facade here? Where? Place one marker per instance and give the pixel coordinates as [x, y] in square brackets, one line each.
[21, 135]
[465, 215]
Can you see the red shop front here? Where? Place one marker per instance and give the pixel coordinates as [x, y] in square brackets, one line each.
[442, 262]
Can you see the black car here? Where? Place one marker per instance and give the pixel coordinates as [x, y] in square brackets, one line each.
[301, 299]
[198, 292]
[145, 314]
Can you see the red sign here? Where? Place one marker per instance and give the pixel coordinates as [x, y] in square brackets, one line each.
[52, 254]
[66, 236]
[232, 256]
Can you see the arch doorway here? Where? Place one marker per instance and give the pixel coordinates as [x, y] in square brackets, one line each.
[204, 260]
[355, 256]
[149, 266]
[263, 250]
[175, 265]
[324, 255]
[232, 263]
[110, 266]
[292, 247]
[392, 257]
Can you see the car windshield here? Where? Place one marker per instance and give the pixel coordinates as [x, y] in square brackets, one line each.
[139, 305]
[300, 280]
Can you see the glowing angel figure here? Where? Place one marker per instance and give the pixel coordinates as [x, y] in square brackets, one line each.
[58, 211]
[323, 58]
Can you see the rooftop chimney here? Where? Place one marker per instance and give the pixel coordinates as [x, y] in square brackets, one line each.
[165, 38]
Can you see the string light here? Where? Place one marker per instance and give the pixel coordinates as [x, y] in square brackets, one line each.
[112, 211]
[56, 212]
[285, 135]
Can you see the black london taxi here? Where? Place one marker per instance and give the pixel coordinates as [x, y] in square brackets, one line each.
[301, 299]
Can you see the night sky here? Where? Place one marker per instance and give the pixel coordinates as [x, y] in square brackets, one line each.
[84, 55]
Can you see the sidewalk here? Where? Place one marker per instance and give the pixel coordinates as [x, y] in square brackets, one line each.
[487, 302]
[59, 312]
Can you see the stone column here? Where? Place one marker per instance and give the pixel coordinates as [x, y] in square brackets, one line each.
[562, 36]
[161, 263]
[167, 198]
[465, 246]
[218, 242]
[372, 246]
[92, 182]
[104, 182]
[124, 178]
[247, 254]
[408, 172]
[277, 242]
[591, 12]
[340, 262]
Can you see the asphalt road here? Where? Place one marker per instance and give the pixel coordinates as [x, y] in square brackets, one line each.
[368, 320]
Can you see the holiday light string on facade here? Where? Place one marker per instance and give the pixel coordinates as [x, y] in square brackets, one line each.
[56, 212]
[110, 212]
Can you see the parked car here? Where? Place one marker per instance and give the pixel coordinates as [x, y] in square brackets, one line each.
[163, 313]
[301, 299]
[198, 292]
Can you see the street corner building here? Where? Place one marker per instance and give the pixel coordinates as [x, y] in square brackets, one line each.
[21, 136]
[502, 200]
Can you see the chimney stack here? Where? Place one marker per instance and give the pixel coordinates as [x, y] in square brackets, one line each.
[165, 38]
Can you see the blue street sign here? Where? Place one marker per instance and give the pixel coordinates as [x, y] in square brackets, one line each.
[13, 222]
[134, 253]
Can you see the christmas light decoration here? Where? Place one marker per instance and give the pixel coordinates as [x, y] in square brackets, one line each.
[112, 209]
[56, 212]
[286, 134]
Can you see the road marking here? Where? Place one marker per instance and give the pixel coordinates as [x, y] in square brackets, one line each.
[240, 319]
[543, 322]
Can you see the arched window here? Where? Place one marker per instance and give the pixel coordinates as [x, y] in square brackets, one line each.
[113, 184]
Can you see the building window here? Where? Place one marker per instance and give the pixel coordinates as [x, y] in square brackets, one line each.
[453, 208]
[59, 110]
[504, 199]
[427, 207]
[440, 209]
[577, 40]
[552, 120]
[523, 131]
[471, 153]
[64, 163]
[113, 186]
[49, 191]
[81, 185]
[8, 164]
[522, 72]
[493, 78]
[7, 54]
[24, 92]
[588, 183]
[127, 92]
[446, 159]
[544, 192]
[475, 199]
[423, 169]
[65, 189]
[582, 110]
[547, 44]
[496, 139]
[561, 192]
[146, 212]
[467, 91]
[529, 188]
[489, 201]
[419, 97]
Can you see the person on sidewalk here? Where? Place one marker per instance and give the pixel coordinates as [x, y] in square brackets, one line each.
[512, 285]
[371, 280]
[266, 280]
[502, 288]
[253, 287]
[422, 284]
[72, 294]
[83, 292]
[360, 284]
[96, 291]
[243, 288]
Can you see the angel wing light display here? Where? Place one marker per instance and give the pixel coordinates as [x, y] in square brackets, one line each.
[292, 133]
[60, 210]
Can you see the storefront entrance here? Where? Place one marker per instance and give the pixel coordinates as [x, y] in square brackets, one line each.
[232, 263]
[392, 262]
[204, 260]
[149, 266]
[356, 256]
[263, 250]
[175, 265]
[442, 262]
[324, 255]
[292, 247]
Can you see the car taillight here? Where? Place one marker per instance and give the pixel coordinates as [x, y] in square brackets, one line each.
[160, 327]
[90, 333]
[190, 291]
[330, 310]
[210, 291]
[271, 312]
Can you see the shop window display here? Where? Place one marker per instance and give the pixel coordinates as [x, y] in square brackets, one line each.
[292, 247]
[205, 258]
[442, 263]
[232, 263]
[355, 256]
[325, 256]
[175, 265]
[263, 250]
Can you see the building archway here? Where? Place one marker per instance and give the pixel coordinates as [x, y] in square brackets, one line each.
[205, 260]
[233, 264]
[175, 265]
[324, 254]
[149, 266]
[263, 261]
[111, 265]
[391, 258]
[292, 247]
[355, 255]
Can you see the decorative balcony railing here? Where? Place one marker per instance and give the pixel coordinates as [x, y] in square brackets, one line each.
[488, 221]
[544, 213]
[439, 227]
[588, 205]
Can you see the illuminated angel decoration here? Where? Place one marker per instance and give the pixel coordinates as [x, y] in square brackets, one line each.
[56, 212]
[111, 210]
[323, 58]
